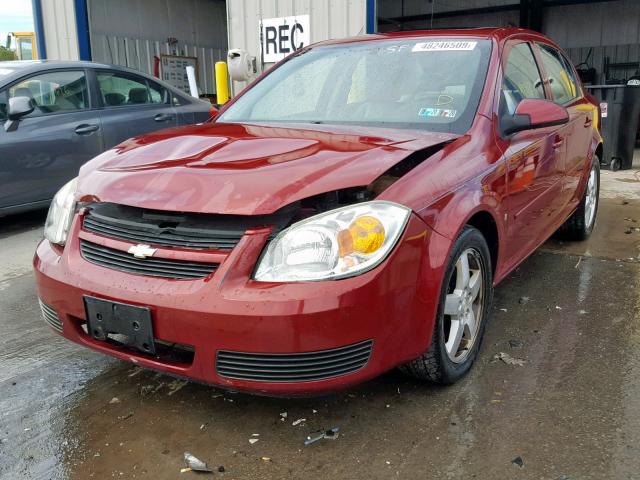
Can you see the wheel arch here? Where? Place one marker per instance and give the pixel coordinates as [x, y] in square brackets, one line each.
[599, 151]
[484, 221]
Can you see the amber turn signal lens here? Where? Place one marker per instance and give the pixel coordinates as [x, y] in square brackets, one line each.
[365, 235]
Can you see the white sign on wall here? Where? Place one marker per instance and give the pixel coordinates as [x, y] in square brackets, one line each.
[281, 36]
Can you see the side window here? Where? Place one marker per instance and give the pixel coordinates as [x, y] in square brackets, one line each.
[563, 86]
[3, 105]
[573, 80]
[521, 79]
[53, 92]
[119, 89]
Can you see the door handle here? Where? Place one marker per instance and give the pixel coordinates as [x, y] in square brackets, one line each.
[163, 117]
[588, 122]
[86, 129]
[558, 141]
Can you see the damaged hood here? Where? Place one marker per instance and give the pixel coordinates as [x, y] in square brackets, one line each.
[245, 169]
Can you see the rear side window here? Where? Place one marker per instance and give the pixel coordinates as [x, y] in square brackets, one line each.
[3, 105]
[561, 80]
[521, 79]
[119, 89]
[53, 92]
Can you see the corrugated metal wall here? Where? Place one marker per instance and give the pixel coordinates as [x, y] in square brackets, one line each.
[329, 19]
[60, 34]
[597, 24]
[594, 25]
[131, 32]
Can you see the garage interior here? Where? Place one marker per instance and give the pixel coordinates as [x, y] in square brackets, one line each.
[154, 28]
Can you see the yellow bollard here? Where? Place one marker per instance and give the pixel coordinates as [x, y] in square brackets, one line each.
[222, 83]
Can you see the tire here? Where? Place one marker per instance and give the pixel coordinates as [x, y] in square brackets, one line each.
[614, 165]
[580, 224]
[442, 362]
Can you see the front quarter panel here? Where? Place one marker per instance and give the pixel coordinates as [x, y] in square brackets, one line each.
[466, 177]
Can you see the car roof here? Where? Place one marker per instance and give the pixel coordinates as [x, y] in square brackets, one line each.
[496, 33]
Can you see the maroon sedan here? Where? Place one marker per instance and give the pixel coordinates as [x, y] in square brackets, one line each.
[349, 213]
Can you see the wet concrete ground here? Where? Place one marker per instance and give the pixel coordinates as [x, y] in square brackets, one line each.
[571, 411]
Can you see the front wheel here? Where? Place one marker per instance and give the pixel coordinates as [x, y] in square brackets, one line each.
[580, 225]
[465, 304]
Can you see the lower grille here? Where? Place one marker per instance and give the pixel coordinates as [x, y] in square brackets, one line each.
[294, 367]
[50, 317]
[155, 267]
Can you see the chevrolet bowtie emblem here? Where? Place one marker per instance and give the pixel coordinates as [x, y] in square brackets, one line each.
[142, 251]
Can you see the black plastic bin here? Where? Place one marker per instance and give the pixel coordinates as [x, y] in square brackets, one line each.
[620, 106]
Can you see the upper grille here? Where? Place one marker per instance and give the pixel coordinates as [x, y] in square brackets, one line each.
[294, 367]
[177, 229]
[50, 316]
[169, 229]
[155, 267]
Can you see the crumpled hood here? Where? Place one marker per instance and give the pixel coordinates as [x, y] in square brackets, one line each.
[244, 169]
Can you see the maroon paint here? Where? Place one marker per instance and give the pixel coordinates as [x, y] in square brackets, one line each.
[529, 183]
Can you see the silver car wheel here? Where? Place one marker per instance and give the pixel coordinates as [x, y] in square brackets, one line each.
[590, 199]
[463, 308]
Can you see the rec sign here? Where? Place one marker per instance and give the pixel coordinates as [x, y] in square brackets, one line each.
[281, 36]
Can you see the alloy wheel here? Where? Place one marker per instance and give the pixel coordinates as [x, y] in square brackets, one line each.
[463, 308]
[590, 199]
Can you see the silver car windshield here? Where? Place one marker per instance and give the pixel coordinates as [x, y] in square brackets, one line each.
[427, 83]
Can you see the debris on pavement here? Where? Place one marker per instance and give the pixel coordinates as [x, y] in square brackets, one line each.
[221, 469]
[194, 463]
[508, 359]
[283, 416]
[523, 300]
[515, 343]
[300, 422]
[114, 400]
[253, 440]
[266, 459]
[503, 309]
[518, 461]
[331, 434]
[176, 385]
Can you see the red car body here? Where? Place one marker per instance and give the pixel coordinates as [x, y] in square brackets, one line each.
[517, 190]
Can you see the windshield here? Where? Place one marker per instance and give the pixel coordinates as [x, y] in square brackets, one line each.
[427, 83]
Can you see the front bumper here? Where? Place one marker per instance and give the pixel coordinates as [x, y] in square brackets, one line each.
[392, 306]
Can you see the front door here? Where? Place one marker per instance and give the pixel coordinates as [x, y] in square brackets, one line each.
[133, 105]
[534, 158]
[50, 144]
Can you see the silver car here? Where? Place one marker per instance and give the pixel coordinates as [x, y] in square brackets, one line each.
[55, 116]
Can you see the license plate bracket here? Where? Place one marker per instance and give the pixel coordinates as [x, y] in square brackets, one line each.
[105, 317]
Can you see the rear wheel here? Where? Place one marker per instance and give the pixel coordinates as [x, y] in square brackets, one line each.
[580, 225]
[464, 307]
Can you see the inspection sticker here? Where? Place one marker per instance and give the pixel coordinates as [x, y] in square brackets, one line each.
[443, 46]
[437, 112]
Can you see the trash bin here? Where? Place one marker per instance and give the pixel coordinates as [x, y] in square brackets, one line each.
[620, 109]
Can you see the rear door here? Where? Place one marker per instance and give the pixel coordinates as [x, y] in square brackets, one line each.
[566, 91]
[50, 144]
[132, 105]
[534, 158]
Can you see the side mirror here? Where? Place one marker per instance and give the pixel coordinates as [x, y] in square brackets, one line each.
[214, 110]
[18, 108]
[534, 113]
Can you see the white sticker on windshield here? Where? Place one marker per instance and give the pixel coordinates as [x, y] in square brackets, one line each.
[443, 46]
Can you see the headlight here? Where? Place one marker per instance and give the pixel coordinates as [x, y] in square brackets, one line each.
[336, 244]
[61, 211]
